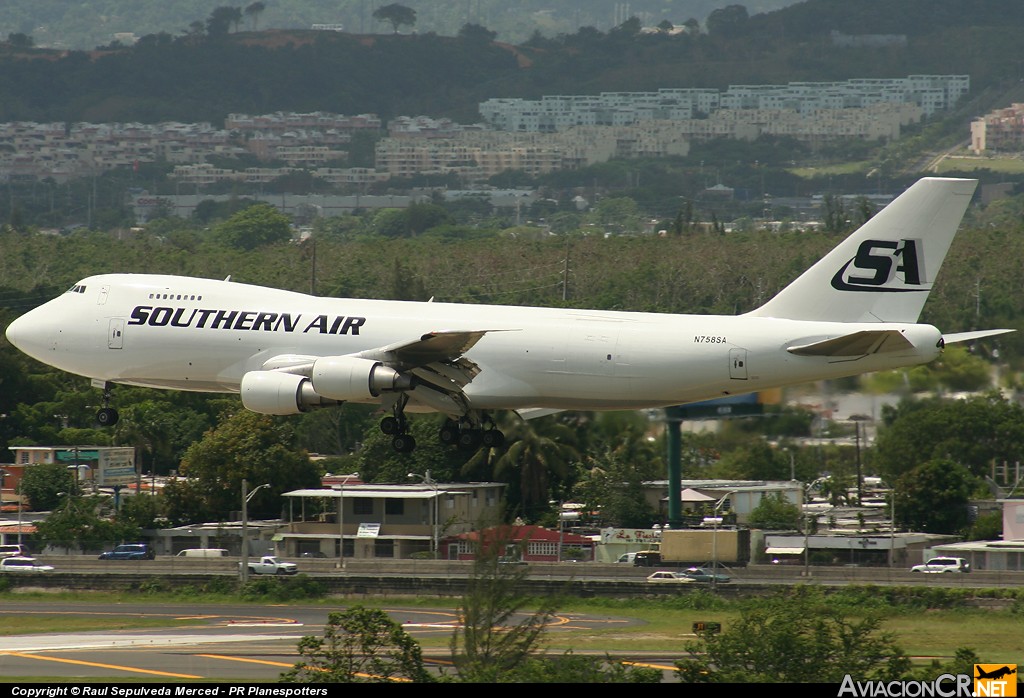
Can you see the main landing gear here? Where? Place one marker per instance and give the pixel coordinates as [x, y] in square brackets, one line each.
[469, 437]
[463, 433]
[106, 416]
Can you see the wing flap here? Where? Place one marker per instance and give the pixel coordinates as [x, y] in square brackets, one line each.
[442, 346]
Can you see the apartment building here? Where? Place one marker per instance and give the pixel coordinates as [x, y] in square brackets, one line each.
[930, 93]
[1000, 130]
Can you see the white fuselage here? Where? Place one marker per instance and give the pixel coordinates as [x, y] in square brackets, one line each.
[204, 335]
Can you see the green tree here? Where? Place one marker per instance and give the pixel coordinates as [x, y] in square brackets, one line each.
[359, 645]
[46, 485]
[20, 40]
[729, 21]
[184, 502]
[142, 512]
[221, 19]
[775, 512]
[77, 526]
[570, 668]
[793, 640]
[617, 215]
[254, 11]
[396, 15]
[538, 455]
[933, 497]
[476, 33]
[974, 432]
[614, 487]
[251, 446]
[986, 527]
[496, 634]
[377, 461]
[254, 227]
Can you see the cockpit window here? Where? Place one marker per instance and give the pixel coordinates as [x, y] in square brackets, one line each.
[77, 288]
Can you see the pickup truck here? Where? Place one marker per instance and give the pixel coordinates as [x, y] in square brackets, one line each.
[268, 564]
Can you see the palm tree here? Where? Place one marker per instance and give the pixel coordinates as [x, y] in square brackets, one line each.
[538, 457]
[253, 11]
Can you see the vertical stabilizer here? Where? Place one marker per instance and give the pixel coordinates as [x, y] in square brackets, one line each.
[884, 271]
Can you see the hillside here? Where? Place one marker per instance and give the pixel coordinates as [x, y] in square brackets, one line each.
[204, 77]
[82, 26]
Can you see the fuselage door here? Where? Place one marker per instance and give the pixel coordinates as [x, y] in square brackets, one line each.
[115, 333]
[738, 364]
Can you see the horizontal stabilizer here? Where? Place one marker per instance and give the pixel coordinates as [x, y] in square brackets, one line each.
[971, 336]
[855, 344]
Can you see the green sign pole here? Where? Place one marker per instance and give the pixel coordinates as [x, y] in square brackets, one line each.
[673, 432]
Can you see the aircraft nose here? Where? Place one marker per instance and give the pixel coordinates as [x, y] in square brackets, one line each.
[29, 335]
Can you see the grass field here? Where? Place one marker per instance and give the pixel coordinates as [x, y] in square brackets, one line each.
[621, 626]
[958, 163]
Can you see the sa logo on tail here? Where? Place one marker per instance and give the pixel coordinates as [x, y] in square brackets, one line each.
[884, 259]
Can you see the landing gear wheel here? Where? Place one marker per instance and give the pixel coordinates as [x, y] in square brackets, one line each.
[390, 426]
[469, 439]
[493, 438]
[449, 434]
[106, 417]
[403, 443]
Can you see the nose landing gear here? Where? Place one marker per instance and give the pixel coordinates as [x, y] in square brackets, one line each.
[106, 416]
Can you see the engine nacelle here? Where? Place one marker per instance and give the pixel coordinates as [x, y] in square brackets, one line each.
[351, 379]
[273, 392]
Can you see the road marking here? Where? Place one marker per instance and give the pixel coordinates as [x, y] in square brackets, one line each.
[98, 665]
[246, 660]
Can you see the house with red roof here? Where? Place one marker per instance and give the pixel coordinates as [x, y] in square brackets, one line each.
[520, 542]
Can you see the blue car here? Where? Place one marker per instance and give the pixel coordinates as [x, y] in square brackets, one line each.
[705, 574]
[131, 551]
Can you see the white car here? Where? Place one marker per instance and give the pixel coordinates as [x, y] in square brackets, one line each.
[941, 565]
[665, 577]
[23, 564]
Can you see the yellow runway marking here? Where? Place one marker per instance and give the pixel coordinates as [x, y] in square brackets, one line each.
[650, 666]
[101, 666]
[397, 679]
[243, 659]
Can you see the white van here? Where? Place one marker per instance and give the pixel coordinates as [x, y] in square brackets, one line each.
[203, 552]
[16, 550]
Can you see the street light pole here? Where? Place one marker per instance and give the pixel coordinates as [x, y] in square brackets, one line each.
[892, 525]
[246, 496]
[427, 480]
[716, 519]
[341, 521]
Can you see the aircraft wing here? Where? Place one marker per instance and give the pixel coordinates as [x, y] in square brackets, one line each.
[855, 344]
[441, 346]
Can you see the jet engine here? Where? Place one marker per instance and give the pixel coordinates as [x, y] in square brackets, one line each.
[273, 392]
[350, 378]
